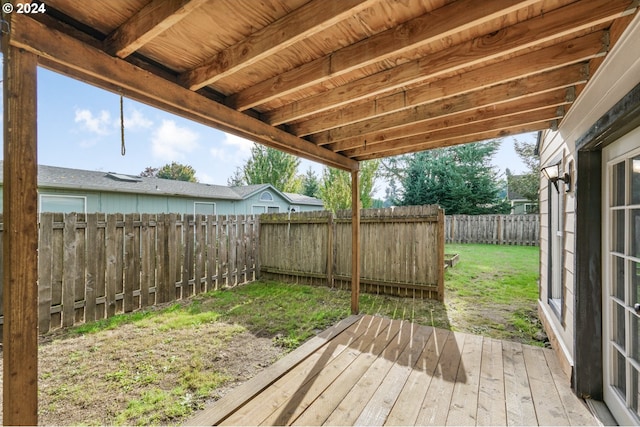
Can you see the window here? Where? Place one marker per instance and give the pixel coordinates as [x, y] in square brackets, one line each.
[260, 209]
[204, 208]
[256, 210]
[63, 203]
[266, 197]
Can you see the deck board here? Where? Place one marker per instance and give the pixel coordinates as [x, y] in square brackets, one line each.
[407, 406]
[379, 406]
[368, 370]
[491, 409]
[549, 409]
[464, 401]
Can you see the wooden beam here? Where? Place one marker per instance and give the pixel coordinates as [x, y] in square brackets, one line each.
[434, 26]
[355, 242]
[20, 238]
[527, 104]
[309, 19]
[520, 37]
[464, 139]
[556, 56]
[153, 19]
[509, 91]
[87, 63]
[430, 139]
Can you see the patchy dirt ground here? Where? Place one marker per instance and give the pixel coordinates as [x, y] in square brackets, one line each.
[138, 364]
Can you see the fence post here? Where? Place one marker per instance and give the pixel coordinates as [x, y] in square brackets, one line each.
[440, 254]
[330, 244]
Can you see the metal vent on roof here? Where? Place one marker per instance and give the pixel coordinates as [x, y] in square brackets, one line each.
[121, 177]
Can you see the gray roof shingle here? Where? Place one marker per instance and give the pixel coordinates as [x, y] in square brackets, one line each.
[80, 179]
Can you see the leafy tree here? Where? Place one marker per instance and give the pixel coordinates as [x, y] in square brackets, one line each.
[270, 166]
[149, 172]
[174, 170]
[178, 172]
[527, 184]
[310, 183]
[460, 179]
[335, 188]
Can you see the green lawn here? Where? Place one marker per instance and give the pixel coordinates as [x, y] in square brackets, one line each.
[491, 291]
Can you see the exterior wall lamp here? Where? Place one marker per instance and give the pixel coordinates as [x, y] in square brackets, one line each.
[552, 173]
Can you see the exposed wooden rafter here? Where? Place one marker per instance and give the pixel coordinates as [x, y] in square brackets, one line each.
[443, 136]
[458, 122]
[84, 60]
[520, 37]
[512, 90]
[156, 17]
[303, 22]
[455, 17]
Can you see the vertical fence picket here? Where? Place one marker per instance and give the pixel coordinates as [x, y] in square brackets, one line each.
[188, 237]
[175, 254]
[199, 255]
[212, 252]
[68, 277]
[147, 258]
[45, 251]
[91, 275]
[130, 254]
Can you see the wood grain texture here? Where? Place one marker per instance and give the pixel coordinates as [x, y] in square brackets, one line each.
[20, 238]
[388, 372]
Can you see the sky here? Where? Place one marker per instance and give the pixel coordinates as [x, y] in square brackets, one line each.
[79, 127]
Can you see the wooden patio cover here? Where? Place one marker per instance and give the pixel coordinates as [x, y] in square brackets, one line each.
[333, 81]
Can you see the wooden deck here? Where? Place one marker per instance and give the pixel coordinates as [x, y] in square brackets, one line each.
[370, 370]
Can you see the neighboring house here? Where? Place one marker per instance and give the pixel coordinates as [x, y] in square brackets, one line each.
[520, 204]
[590, 233]
[76, 190]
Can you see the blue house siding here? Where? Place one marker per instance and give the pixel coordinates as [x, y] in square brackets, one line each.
[73, 190]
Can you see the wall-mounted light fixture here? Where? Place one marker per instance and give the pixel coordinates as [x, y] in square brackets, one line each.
[553, 175]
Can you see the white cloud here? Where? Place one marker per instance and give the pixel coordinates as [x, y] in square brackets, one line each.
[96, 124]
[233, 148]
[171, 142]
[135, 121]
[205, 178]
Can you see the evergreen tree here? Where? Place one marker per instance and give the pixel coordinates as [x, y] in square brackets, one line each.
[460, 179]
[237, 179]
[310, 183]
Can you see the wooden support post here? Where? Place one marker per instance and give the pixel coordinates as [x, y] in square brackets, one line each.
[330, 247]
[355, 243]
[20, 242]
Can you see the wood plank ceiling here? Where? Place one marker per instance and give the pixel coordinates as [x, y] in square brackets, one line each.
[338, 81]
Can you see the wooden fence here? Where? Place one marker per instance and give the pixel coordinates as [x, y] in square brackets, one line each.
[402, 249]
[95, 266]
[493, 229]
